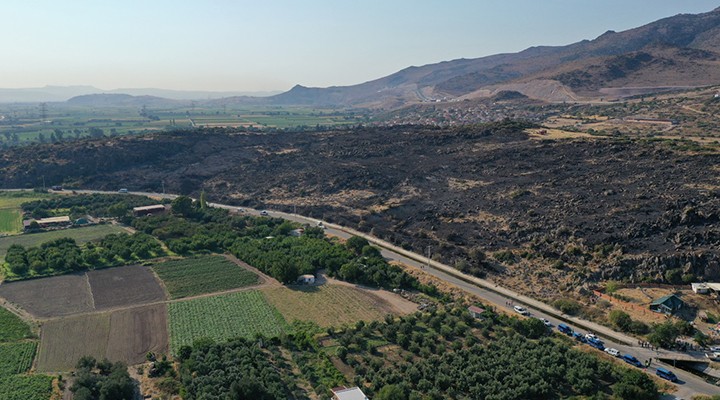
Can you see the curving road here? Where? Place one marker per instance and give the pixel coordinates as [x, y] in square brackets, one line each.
[499, 297]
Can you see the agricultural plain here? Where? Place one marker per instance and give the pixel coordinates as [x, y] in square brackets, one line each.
[81, 235]
[51, 297]
[124, 286]
[12, 328]
[200, 275]
[124, 335]
[328, 305]
[17, 350]
[223, 317]
[10, 213]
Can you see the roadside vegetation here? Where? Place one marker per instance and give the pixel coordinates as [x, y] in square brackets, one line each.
[205, 274]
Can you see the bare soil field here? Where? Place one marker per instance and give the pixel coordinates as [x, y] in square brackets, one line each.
[137, 331]
[332, 305]
[124, 335]
[124, 286]
[50, 297]
[64, 341]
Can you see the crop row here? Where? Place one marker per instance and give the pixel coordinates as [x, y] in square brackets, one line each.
[223, 317]
[199, 275]
[16, 358]
[25, 387]
[12, 327]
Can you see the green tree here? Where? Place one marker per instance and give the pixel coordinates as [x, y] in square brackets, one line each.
[356, 244]
[203, 201]
[664, 335]
[182, 205]
[391, 392]
[620, 319]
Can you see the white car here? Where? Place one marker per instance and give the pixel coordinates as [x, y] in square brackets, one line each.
[715, 349]
[546, 322]
[715, 356]
[264, 213]
[520, 310]
[591, 336]
[613, 351]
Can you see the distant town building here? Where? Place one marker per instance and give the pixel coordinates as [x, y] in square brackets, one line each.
[667, 304]
[343, 393]
[149, 210]
[700, 288]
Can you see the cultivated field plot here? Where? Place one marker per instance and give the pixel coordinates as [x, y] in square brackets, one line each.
[10, 220]
[12, 328]
[328, 305]
[81, 235]
[223, 317]
[124, 286]
[124, 335]
[25, 387]
[50, 297]
[199, 275]
[16, 358]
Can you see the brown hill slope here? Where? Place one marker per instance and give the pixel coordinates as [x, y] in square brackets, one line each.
[460, 77]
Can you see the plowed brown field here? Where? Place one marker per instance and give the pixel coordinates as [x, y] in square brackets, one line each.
[51, 297]
[125, 286]
[124, 335]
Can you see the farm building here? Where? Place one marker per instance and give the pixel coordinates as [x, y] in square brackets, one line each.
[476, 311]
[48, 222]
[149, 210]
[307, 279]
[667, 304]
[343, 393]
[700, 288]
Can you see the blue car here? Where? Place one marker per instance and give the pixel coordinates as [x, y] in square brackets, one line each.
[598, 344]
[665, 374]
[565, 329]
[579, 336]
[632, 360]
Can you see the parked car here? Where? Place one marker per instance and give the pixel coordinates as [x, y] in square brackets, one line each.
[546, 322]
[613, 351]
[715, 349]
[714, 356]
[598, 344]
[632, 360]
[521, 310]
[591, 336]
[123, 190]
[565, 329]
[579, 337]
[264, 213]
[665, 374]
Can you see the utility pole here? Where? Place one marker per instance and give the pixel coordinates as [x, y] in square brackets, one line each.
[163, 185]
[428, 256]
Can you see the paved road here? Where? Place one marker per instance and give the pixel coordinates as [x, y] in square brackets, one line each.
[498, 296]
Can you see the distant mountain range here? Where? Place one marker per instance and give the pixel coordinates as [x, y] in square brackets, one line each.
[677, 52]
[63, 93]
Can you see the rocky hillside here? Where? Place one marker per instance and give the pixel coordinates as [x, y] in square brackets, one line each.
[541, 212]
[632, 58]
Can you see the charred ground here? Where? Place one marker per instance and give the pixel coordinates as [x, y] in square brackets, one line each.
[537, 214]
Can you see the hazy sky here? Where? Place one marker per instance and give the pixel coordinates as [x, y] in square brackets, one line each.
[273, 45]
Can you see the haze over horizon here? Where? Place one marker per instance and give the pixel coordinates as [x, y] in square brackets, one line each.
[244, 46]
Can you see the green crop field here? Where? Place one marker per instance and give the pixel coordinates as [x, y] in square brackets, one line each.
[81, 235]
[223, 317]
[16, 358]
[12, 328]
[199, 275]
[25, 387]
[10, 220]
[10, 212]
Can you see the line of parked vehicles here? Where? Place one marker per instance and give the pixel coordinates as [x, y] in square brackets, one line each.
[594, 341]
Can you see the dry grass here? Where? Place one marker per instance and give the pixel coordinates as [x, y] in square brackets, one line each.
[328, 305]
